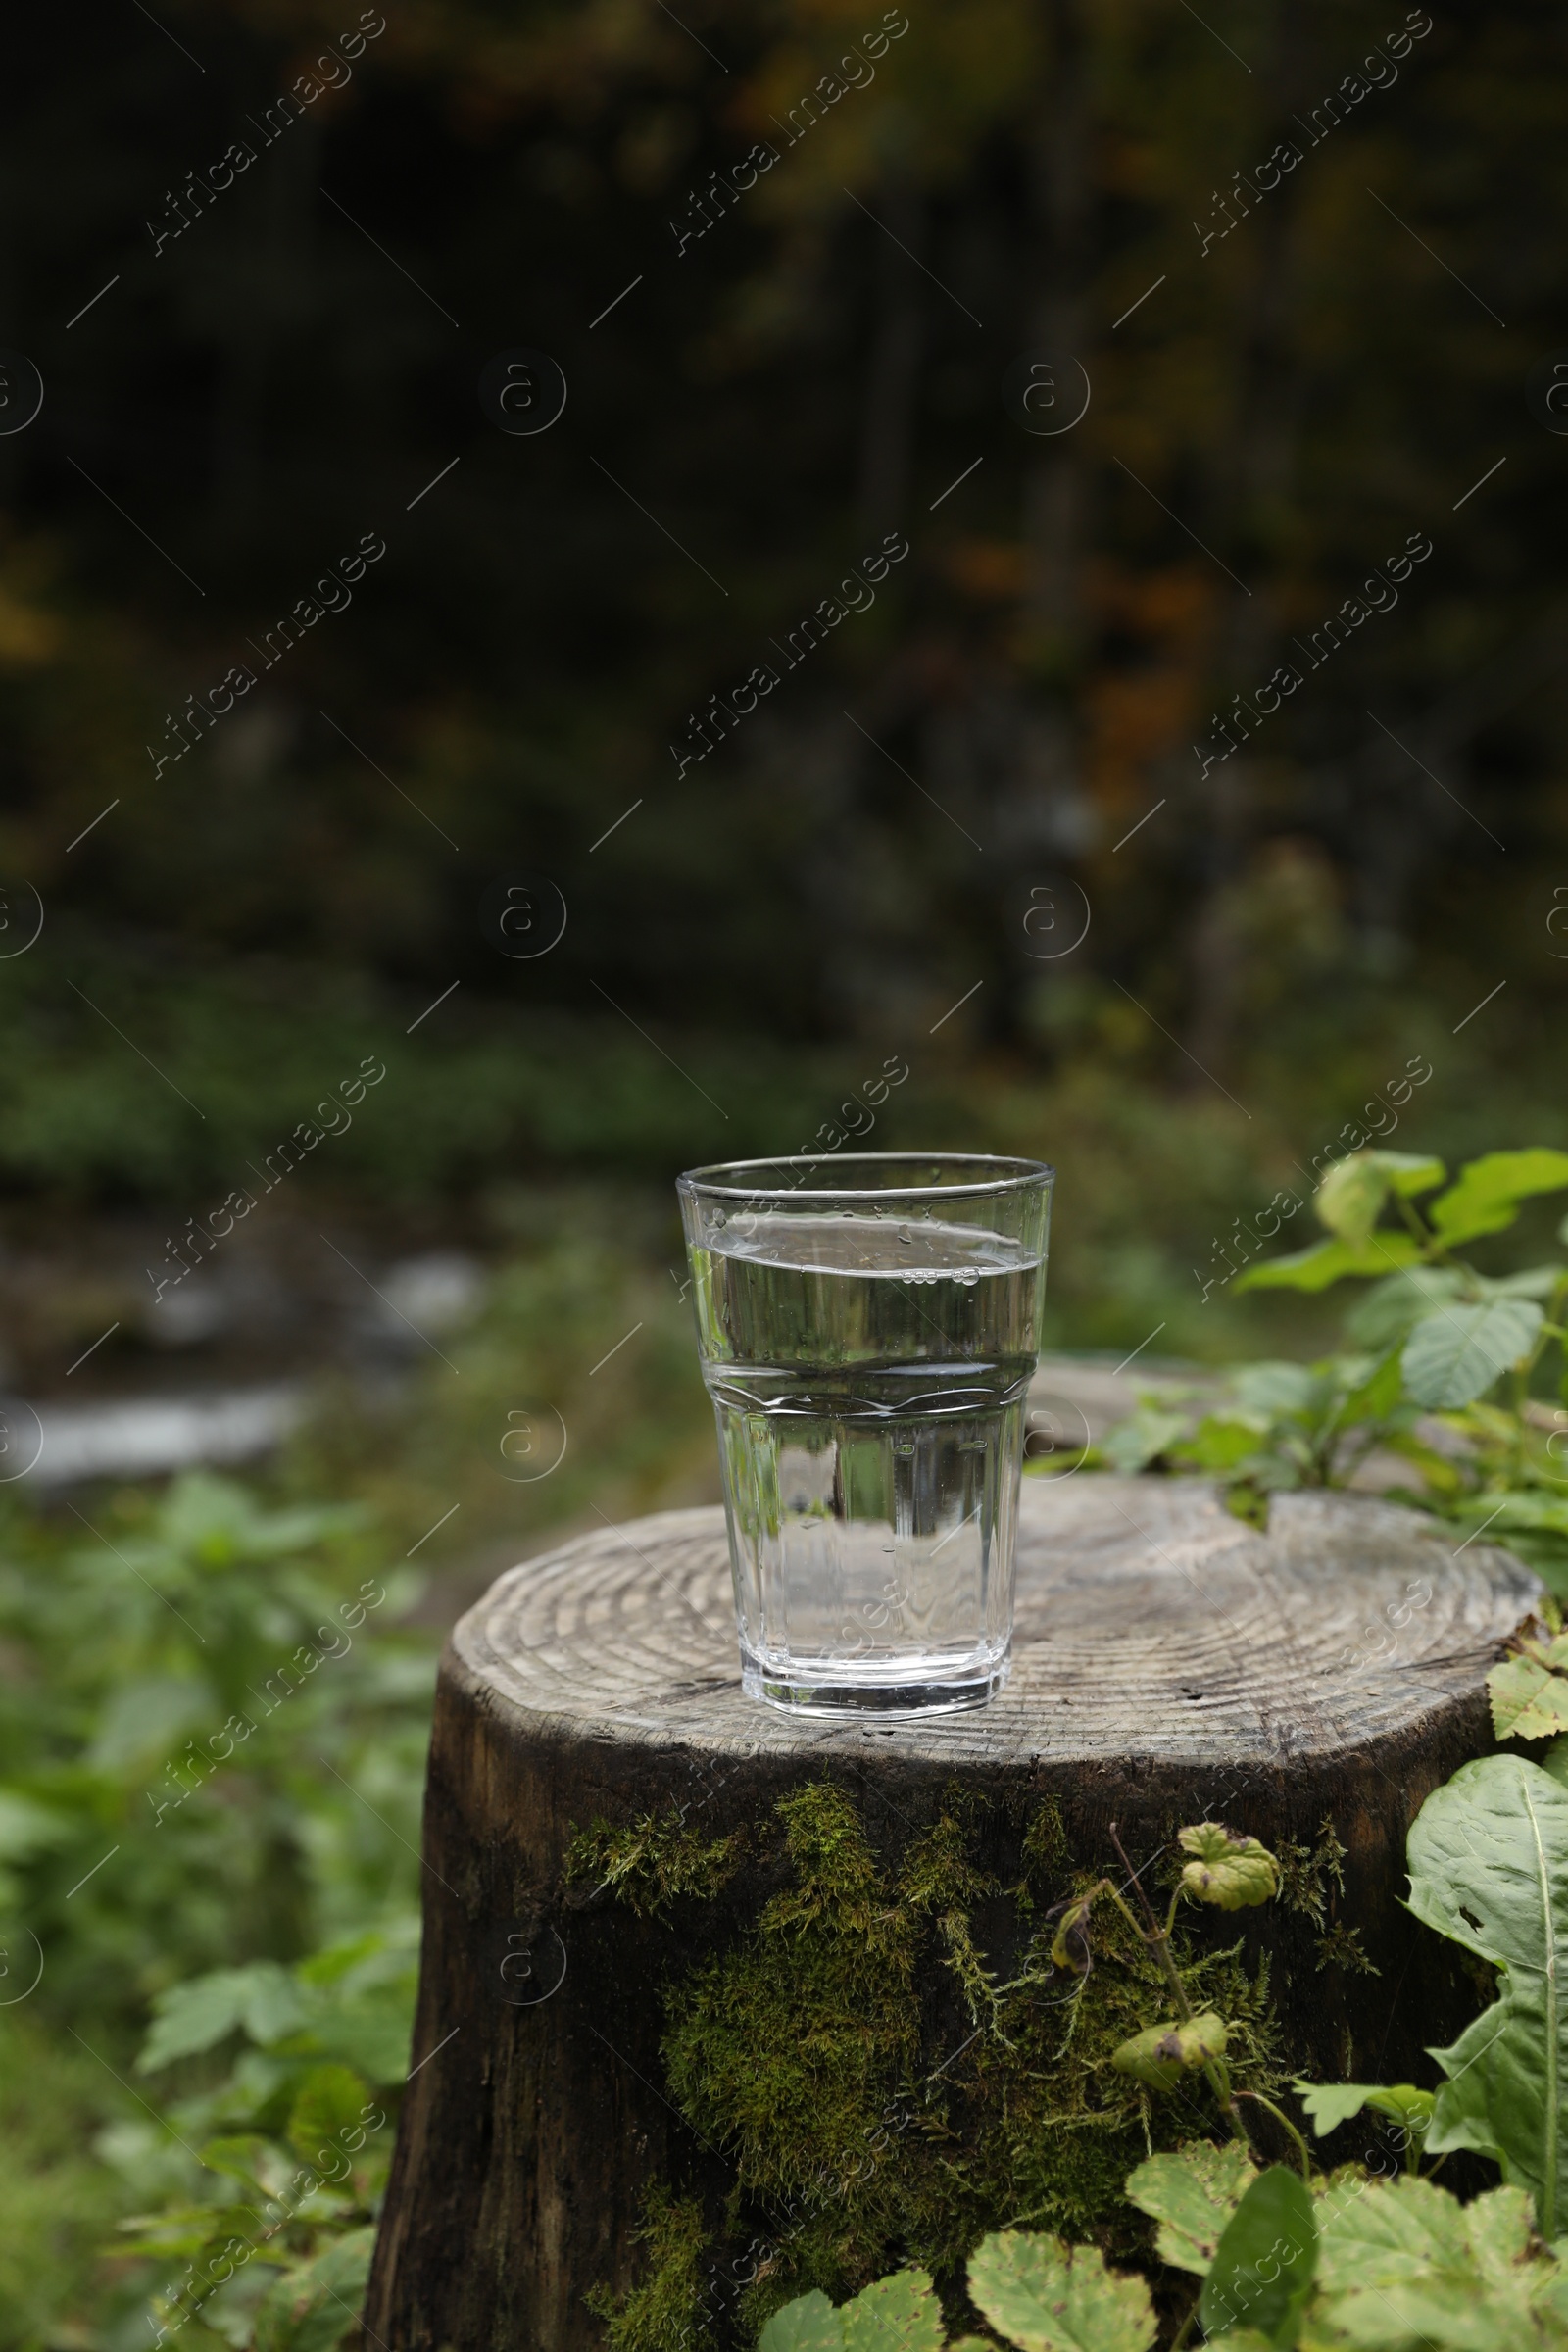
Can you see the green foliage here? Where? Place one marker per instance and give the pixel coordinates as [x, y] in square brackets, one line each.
[1351, 1193]
[1274, 2222]
[1489, 1869]
[220, 1691]
[1193, 2195]
[1433, 1336]
[1457, 1354]
[1459, 1349]
[312, 2309]
[1044, 2296]
[1403, 2263]
[216, 1706]
[1161, 2055]
[1228, 1870]
[1284, 2258]
[881, 2090]
[1487, 1196]
[1529, 1689]
[808, 2324]
[1330, 2104]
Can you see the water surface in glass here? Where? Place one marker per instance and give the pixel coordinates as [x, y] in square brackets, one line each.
[869, 1365]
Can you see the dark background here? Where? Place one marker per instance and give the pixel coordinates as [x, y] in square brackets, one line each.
[1276, 418]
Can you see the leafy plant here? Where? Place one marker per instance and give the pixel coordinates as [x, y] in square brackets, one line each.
[1428, 1343]
[1290, 2258]
[1489, 1869]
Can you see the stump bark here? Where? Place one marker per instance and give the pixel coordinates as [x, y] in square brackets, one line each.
[1171, 1664]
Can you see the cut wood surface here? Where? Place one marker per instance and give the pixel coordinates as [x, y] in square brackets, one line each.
[1170, 1664]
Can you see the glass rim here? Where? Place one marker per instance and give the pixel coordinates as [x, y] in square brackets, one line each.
[1011, 1175]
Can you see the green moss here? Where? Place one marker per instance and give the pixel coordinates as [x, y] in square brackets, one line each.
[1044, 1844]
[653, 1861]
[1312, 1877]
[1341, 1947]
[666, 2314]
[886, 2089]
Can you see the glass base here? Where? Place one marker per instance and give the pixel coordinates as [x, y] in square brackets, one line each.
[887, 1698]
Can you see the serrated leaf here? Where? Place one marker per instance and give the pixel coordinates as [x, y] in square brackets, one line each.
[1350, 1195]
[1488, 1856]
[897, 2313]
[1192, 2195]
[262, 1997]
[1329, 1261]
[1455, 1355]
[808, 2324]
[1274, 2223]
[1228, 1870]
[1400, 2262]
[1487, 1194]
[1391, 1309]
[312, 2309]
[1048, 2297]
[1161, 2055]
[1528, 1701]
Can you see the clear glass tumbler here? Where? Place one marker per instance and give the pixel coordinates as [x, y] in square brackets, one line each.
[868, 1345]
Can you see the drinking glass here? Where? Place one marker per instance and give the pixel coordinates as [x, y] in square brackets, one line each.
[868, 1343]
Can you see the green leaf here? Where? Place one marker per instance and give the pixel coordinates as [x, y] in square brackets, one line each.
[1162, 2054]
[1403, 2263]
[1228, 1870]
[1527, 1700]
[310, 2310]
[1047, 2297]
[1455, 1355]
[1487, 1194]
[808, 2324]
[1349, 1198]
[202, 2012]
[1192, 2195]
[1270, 1389]
[1263, 2270]
[1070, 1947]
[330, 2102]
[1135, 1443]
[1218, 1445]
[1330, 2104]
[241, 2154]
[1390, 1310]
[27, 1829]
[1535, 1282]
[1488, 1856]
[900, 2314]
[1330, 1261]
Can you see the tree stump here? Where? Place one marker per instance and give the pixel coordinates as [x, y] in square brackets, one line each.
[1171, 1664]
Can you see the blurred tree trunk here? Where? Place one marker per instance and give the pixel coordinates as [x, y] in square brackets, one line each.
[893, 375]
[1251, 467]
[1062, 207]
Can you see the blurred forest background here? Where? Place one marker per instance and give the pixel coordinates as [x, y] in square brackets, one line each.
[1290, 381]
